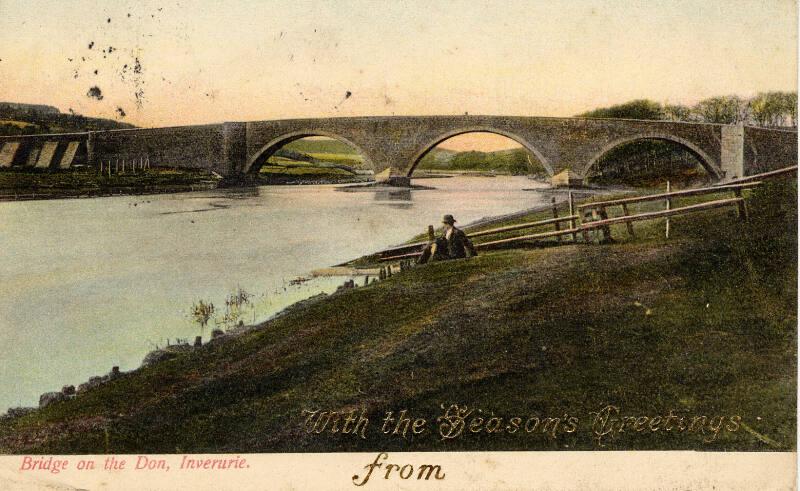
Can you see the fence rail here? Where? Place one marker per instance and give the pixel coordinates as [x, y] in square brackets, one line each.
[674, 194]
[591, 217]
[763, 175]
[650, 215]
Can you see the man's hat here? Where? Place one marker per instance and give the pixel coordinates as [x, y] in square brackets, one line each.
[448, 219]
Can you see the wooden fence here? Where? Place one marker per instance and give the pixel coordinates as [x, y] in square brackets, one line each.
[593, 217]
[596, 213]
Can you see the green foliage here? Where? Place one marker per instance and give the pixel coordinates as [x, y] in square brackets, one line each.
[636, 109]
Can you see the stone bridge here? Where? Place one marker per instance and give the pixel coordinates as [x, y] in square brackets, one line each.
[237, 148]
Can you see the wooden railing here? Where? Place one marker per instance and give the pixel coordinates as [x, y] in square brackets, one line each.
[593, 217]
[762, 176]
[597, 211]
[413, 250]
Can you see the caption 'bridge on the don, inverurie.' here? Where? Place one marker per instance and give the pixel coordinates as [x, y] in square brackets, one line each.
[234, 149]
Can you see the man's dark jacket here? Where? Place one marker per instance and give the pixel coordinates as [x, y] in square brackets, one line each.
[459, 244]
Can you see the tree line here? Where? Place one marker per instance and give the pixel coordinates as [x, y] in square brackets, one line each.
[769, 109]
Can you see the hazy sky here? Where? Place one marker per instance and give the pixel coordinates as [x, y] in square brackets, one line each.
[211, 61]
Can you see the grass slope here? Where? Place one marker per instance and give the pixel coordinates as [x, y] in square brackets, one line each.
[702, 324]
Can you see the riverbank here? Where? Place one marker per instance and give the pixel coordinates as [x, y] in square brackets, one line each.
[27, 184]
[701, 325]
[17, 184]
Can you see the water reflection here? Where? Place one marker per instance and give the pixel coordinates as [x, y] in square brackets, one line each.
[395, 198]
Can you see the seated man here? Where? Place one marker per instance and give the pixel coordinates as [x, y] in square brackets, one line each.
[453, 244]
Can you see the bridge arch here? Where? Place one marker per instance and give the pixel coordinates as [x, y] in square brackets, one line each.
[430, 145]
[709, 164]
[258, 159]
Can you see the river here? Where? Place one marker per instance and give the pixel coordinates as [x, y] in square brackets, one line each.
[86, 284]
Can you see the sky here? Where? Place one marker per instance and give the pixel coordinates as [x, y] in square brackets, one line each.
[212, 61]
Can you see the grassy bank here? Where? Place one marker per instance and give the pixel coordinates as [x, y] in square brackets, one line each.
[703, 325]
[27, 183]
[286, 171]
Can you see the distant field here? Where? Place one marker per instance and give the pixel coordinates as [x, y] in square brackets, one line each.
[18, 124]
[321, 146]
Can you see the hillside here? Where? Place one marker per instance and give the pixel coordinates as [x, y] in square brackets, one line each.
[702, 325]
[30, 119]
[515, 161]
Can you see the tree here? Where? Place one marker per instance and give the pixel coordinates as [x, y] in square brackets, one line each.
[678, 112]
[636, 109]
[774, 108]
[728, 109]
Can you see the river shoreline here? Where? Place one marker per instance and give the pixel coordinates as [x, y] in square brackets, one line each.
[238, 220]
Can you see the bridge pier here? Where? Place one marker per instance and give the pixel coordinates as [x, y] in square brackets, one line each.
[731, 159]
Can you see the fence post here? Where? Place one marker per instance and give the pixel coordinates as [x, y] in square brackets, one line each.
[585, 232]
[628, 224]
[668, 206]
[116, 166]
[555, 215]
[742, 205]
[572, 222]
[606, 229]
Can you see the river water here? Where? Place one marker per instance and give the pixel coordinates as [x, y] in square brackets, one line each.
[86, 284]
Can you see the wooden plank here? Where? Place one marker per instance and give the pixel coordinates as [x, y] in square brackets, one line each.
[543, 235]
[674, 194]
[403, 247]
[763, 175]
[520, 226]
[401, 256]
[662, 213]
